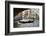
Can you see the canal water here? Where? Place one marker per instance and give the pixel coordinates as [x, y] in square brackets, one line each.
[34, 24]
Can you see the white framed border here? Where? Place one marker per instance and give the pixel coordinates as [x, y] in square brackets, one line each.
[28, 28]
